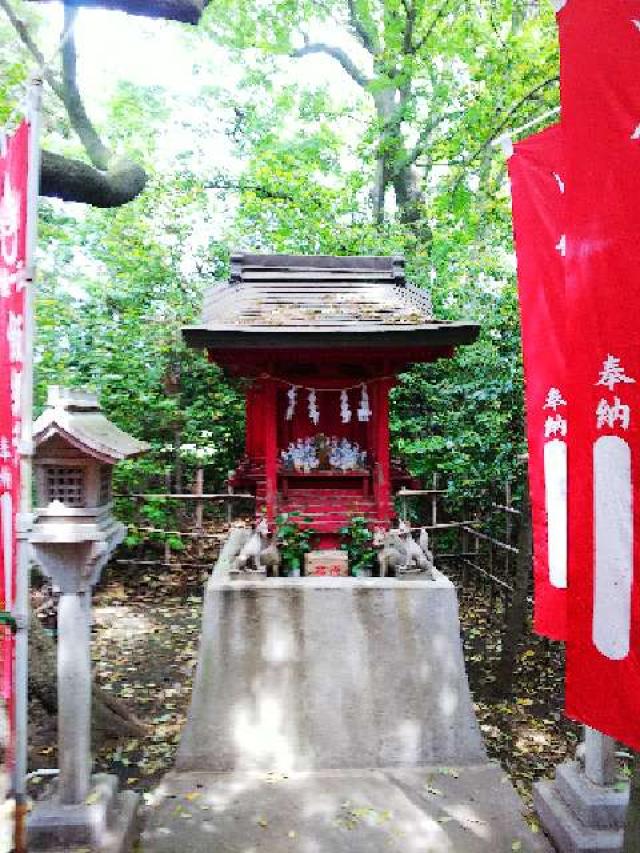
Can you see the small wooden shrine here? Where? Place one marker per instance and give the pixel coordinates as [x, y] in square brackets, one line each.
[321, 341]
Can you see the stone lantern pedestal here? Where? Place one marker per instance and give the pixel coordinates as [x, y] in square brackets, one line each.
[74, 535]
[583, 809]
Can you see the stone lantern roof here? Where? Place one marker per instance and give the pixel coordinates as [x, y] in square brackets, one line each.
[76, 416]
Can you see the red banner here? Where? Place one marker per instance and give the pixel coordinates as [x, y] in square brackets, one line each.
[537, 189]
[600, 68]
[13, 216]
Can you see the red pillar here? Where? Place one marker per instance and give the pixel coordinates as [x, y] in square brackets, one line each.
[271, 447]
[250, 423]
[382, 449]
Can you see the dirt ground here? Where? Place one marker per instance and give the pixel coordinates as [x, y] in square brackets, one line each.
[145, 644]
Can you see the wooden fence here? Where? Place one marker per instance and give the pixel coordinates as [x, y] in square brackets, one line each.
[189, 510]
[476, 543]
[484, 549]
[481, 543]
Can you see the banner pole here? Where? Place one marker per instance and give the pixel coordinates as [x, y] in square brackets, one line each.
[25, 517]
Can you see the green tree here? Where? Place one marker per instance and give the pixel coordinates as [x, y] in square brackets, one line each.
[442, 78]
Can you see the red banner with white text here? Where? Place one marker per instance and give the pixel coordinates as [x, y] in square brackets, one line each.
[600, 95]
[13, 215]
[537, 189]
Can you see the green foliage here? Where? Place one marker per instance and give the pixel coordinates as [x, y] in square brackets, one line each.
[294, 541]
[296, 173]
[111, 304]
[359, 545]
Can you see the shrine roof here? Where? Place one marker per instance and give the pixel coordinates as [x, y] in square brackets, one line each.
[309, 300]
[77, 417]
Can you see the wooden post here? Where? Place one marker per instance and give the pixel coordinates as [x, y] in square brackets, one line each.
[508, 502]
[463, 539]
[167, 547]
[434, 511]
[198, 489]
[271, 448]
[434, 500]
[516, 614]
[229, 503]
[476, 551]
[254, 425]
[508, 497]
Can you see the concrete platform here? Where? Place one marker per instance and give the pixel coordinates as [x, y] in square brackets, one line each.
[322, 673]
[423, 810]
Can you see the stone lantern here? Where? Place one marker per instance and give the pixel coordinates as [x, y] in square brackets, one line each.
[74, 534]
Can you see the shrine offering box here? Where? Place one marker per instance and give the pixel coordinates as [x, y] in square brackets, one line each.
[327, 563]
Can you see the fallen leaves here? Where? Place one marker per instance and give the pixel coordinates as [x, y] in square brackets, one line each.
[351, 816]
[529, 734]
[145, 651]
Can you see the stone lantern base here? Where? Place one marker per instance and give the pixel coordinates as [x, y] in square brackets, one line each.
[580, 816]
[105, 823]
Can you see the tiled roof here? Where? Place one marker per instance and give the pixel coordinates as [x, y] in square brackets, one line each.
[309, 301]
[76, 415]
[299, 291]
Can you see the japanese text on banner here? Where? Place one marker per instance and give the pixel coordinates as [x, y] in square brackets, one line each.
[537, 190]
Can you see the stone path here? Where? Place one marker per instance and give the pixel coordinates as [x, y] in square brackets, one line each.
[424, 810]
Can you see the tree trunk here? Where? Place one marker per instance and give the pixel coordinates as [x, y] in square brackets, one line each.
[409, 197]
[74, 180]
[522, 11]
[395, 166]
[631, 842]
[384, 100]
[517, 613]
[110, 717]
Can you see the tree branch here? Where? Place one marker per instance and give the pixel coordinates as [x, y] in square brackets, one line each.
[368, 39]
[423, 138]
[106, 183]
[25, 37]
[339, 55]
[188, 11]
[98, 153]
[410, 21]
[75, 180]
[506, 119]
[440, 12]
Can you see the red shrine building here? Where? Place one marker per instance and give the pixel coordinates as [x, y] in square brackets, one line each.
[320, 342]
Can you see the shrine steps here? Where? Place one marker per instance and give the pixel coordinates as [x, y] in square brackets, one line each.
[327, 510]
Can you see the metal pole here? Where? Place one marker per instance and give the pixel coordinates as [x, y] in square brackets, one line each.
[25, 517]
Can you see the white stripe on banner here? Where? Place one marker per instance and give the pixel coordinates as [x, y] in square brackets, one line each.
[555, 488]
[613, 521]
[6, 529]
